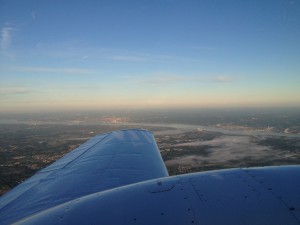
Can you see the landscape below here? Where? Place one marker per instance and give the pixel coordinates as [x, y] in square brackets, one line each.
[189, 141]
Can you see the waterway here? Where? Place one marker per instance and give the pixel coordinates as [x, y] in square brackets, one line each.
[174, 128]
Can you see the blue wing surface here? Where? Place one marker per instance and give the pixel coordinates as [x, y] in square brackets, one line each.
[266, 195]
[104, 162]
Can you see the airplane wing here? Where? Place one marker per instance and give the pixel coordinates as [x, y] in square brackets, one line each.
[104, 162]
[119, 179]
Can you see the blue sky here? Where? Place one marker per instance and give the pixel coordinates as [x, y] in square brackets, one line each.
[67, 55]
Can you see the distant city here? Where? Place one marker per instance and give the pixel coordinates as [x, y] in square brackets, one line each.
[190, 140]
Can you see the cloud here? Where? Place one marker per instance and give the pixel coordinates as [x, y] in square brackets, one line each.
[223, 79]
[128, 58]
[202, 48]
[53, 70]
[223, 149]
[14, 90]
[166, 79]
[213, 79]
[156, 79]
[6, 33]
[33, 15]
[78, 50]
[86, 57]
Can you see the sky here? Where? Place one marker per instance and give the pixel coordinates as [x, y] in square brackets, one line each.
[82, 55]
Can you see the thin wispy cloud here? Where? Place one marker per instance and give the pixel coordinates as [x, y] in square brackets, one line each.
[75, 49]
[223, 79]
[128, 58]
[53, 70]
[156, 79]
[165, 79]
[202, 48]
[33, 15]
[85, 57]
[6, 36]
[14, 90]
[175, 59]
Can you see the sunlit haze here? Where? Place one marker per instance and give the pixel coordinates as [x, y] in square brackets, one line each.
[66, 55]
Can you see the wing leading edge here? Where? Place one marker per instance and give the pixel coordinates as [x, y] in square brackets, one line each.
[104, 162]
